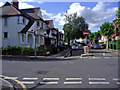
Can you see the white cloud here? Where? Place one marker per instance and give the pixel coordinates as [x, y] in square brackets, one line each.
[46, 15]
[23, 5]
[93, 16]
[1, 4]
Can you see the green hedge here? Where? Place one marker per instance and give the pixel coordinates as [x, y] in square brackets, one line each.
[16, 50]
[115, 43]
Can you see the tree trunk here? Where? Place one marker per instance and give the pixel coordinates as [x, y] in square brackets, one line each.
[107, 45]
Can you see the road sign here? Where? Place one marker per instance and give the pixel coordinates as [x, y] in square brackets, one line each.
[85, 32]
[86, 50]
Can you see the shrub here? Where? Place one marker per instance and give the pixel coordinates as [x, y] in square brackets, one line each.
[15, 50]
[116, 44]
[27, 51]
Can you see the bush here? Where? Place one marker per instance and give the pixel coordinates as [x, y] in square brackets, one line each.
[15, 50]
[116, 44]
[27, 51]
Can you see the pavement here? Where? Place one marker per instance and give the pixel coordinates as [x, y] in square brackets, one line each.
[58, 56]
[61, 55]
[5, 85]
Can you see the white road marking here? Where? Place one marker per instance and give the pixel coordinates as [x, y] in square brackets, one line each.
[48, 82]
[72, 82]
[118, 82]
[73, 78]
[98, 57]
[99, 83]
[26, 82]
[51, 79]
[96, 78]
[30, 78]
[10, 77]
[116, 79]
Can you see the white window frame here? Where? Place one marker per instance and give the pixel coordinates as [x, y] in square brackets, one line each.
[23, 38]
[5, 21]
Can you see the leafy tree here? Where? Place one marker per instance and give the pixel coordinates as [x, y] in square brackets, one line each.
[74, 26]
[107, 29]
[118, 19]
[91, 36]
[96, 36]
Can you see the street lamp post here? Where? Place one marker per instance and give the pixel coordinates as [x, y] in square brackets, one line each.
[35, 43]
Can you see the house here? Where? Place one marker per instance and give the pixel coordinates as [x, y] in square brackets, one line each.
[103, 39]
[52, 33]
[117, 32]
[60, 38]
[22, 27]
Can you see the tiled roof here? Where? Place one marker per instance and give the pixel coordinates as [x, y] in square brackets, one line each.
[9, 10]
[49, 22]
[31, 13]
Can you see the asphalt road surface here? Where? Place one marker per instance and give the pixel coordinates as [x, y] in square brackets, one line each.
[98, 71]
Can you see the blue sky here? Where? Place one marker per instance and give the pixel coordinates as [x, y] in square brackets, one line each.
[95, 13]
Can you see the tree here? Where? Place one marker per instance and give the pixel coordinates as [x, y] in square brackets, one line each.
[74, 26]
[91, 36]
[107, 29]
[118, 19]
[96, 36]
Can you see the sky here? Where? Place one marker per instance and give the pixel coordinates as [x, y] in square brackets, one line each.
[94, 12]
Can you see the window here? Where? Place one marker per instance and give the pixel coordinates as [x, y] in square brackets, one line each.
[38, 24]
[5, 34]
[5, 21]
[23, 37]
[24, 20]
[42, 24]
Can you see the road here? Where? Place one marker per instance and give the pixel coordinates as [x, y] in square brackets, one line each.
[98, 71]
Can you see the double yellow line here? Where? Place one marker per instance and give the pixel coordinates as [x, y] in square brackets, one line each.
[22, 85]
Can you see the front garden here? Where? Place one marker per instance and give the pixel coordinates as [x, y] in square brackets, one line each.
[27, 51]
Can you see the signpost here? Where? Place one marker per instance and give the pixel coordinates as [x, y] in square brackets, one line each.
[86, 50]
[86, 33]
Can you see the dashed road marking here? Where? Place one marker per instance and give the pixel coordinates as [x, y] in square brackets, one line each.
[26, 82]
[118, 83]
[116, 79]
[30, 78]
[73, 78]
[51, 79]
[10, 77]
[73, 82]
[99, 83]
[49, 83]
[103, 54]
[96, 78]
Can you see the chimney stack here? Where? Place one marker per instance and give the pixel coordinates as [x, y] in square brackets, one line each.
[15, 3]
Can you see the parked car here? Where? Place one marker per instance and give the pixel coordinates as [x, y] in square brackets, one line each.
[96, 46]
[75, 47]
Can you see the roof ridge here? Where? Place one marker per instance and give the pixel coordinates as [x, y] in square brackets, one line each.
[30, 8]
[16, 9]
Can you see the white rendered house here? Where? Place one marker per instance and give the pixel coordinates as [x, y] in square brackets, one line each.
[20, 26]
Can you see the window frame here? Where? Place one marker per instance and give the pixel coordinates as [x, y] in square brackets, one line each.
[5, 21]
[4, 35]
